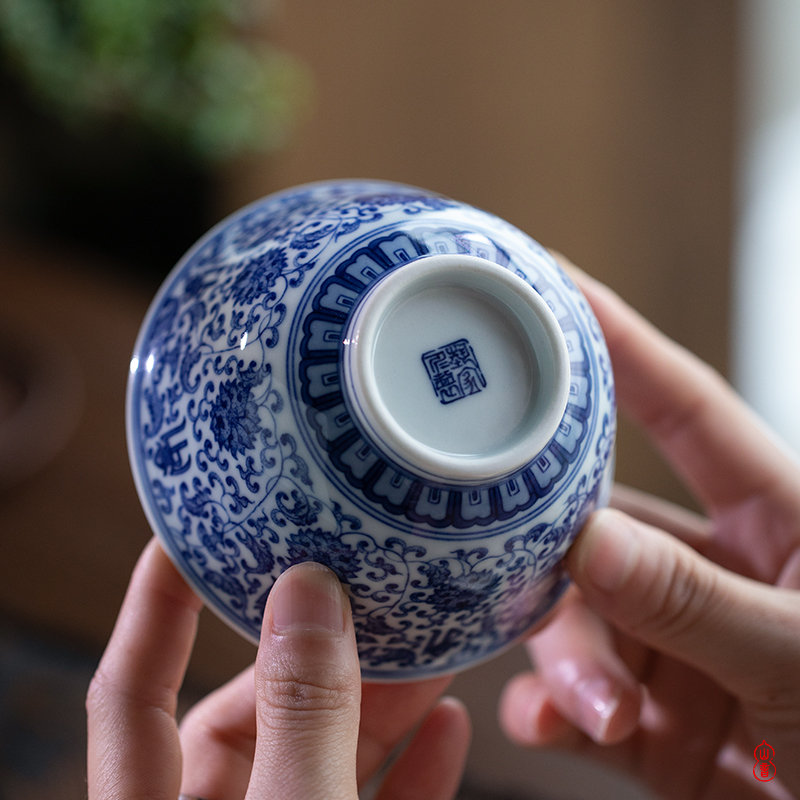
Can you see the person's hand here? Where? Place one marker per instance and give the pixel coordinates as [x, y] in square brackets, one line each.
[287, 728]
[679, 651]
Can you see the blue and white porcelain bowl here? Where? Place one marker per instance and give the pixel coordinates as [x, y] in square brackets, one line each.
[394, 384]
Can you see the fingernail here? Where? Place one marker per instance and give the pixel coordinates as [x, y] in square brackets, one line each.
[606, 556]
[307, 597]
[598, 700]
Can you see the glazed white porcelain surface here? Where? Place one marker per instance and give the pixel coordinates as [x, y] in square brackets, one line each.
[386, 381]
[402, 387]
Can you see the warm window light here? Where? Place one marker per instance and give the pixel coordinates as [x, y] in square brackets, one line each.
[767, 312]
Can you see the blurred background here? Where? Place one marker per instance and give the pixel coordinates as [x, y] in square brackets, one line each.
[655, 142]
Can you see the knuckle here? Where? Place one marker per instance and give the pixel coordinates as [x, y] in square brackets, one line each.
[682, 414]
[676, 597]
[298, 695]
[109, 694]
[99, 694]
[198, 726]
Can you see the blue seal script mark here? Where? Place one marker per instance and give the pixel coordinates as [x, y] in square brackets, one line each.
[454, 371]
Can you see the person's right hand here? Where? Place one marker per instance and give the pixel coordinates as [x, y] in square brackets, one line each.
[674, 659]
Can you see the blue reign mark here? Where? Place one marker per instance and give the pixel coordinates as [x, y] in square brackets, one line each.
[454, 371]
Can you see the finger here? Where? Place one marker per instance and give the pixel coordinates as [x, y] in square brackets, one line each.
[588, 682]
[529, 717]
[218, 738]
[432, 765]
[705, 430]
[133, 746]
[308, 689]
[655, 588]
[689, 527]
[682, 706]
[389, 712]
[789, 576]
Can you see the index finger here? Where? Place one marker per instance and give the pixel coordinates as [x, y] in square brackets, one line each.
[389, 712]
[712, 439]
[133, 746]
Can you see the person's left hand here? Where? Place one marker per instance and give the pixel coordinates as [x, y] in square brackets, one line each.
[288, 727]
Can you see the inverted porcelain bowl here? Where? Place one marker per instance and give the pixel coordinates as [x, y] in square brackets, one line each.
[394, 384]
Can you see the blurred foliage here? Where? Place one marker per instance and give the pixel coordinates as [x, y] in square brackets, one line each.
[191, 71]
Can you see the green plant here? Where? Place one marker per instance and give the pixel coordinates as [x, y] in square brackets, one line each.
[185, 69]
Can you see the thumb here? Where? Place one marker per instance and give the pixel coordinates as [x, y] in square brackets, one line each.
[660, 591]
[308, 690]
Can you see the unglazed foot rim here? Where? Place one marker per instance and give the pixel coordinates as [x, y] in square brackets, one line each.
[456, 369]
